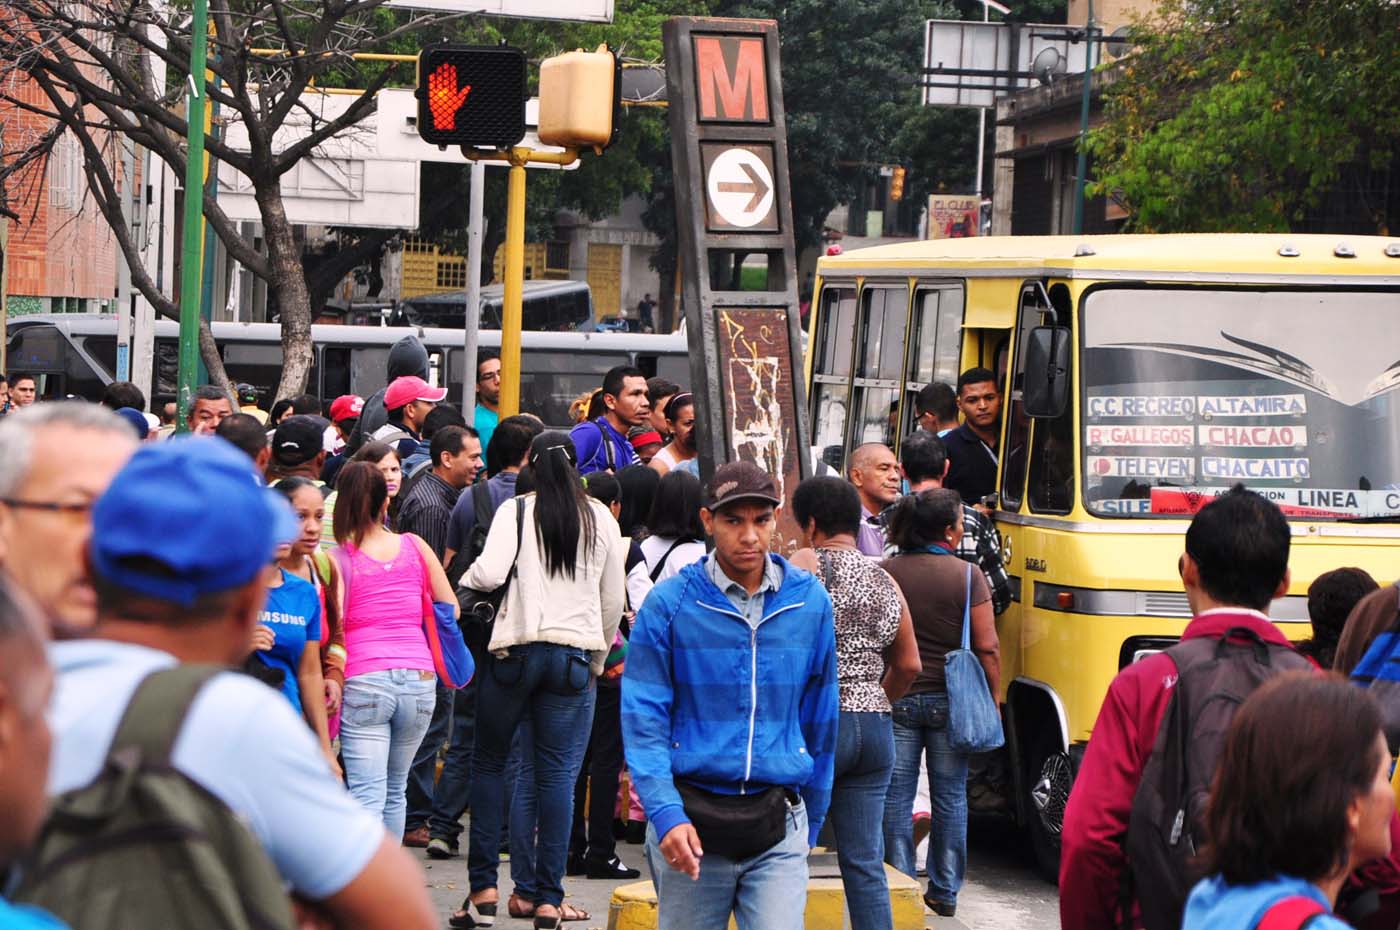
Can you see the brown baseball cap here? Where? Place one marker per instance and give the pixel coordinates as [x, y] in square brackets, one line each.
[741, 481]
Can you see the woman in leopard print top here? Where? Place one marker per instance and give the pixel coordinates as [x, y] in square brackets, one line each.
[876, 660]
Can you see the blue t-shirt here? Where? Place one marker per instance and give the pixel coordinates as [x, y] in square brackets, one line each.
[24, 917]
[588, 443]
[485, 423]
[293, 613]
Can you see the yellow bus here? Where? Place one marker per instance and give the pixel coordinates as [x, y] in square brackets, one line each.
[1141, 375]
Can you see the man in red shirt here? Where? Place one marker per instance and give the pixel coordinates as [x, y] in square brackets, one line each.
[1234, 566]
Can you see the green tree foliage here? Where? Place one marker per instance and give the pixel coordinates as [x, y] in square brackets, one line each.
[1244, 115]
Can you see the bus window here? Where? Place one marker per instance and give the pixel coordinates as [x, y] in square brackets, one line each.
[831, 374]
[255, 363]
[369, 369]
[550, 380]
[103, 350]
[675, 368]
[876, 396]
[35, 349]
[1050, 488]
[335, 372]
[1018, 429]
[936, 343]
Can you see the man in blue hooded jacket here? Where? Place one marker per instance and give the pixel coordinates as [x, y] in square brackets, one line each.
[729, 700]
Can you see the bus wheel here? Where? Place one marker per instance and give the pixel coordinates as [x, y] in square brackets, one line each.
[1049, 785]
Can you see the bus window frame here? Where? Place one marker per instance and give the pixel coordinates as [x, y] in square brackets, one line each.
[1016, 362]
[860, 343]
[912, 386]
[854, 286]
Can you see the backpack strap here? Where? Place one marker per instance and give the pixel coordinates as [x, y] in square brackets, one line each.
[661, 562]
[1292, 913]
[157, 710]
[608, 451]
[482, 508]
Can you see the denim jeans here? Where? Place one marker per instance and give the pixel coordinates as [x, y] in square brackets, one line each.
[384, 718]
[552, 687]
[523, 813]
[864, 761]
[454, 785]
[422, 775]
[765, 892]
[921, 726]
[602, 765]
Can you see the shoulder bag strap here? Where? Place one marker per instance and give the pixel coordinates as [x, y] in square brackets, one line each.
[1292, 913]
[519, 541]
[342, 562]
[967, 609]
[661, 563]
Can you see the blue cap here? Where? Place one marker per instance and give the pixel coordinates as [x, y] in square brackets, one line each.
[187, 518]
[137, 419]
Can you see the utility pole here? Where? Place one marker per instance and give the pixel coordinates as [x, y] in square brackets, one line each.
[1081, 164]
[472, 321]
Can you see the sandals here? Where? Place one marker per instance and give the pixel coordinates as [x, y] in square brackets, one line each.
[567, 912]
[463, 919]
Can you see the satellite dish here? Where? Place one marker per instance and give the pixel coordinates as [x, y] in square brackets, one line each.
[1048, 63]
[1117, 43]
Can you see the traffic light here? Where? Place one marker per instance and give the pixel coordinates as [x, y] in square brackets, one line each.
[580, 98]
[897, 183]
[471, 95]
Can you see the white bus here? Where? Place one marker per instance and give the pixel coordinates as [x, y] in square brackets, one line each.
[77, 354]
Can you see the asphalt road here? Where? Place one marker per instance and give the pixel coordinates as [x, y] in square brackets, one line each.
[1002, 890]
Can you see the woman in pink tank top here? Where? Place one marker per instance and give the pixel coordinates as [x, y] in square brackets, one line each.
[390, 687]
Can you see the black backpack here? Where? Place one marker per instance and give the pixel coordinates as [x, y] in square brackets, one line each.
[145, 846]
[1166, 827]
[478, 609]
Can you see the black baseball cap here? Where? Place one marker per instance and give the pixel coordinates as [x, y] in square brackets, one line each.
[741, 481]
[298, 439]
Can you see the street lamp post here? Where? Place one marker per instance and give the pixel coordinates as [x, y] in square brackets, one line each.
[1081, 165]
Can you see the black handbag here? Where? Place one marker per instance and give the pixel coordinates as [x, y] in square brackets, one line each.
[737, 826]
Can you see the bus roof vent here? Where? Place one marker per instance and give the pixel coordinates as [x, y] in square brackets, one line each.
[1084, 251]
[1393, 250]
[1288, 251]
[1343, 251]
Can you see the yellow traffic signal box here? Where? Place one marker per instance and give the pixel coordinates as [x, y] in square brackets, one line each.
[580, 98]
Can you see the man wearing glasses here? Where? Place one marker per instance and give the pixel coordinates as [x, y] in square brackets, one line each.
[488, 395]
[59, 457]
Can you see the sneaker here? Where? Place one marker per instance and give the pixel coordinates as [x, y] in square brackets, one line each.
[439, 848]
[612, 870]
[417, 837]
[574, 866]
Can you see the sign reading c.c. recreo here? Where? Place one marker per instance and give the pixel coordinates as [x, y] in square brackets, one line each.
[578, 10]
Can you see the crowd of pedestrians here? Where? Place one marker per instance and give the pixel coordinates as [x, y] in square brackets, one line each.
[252, 609]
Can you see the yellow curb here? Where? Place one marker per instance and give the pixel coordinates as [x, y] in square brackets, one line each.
[633, 907]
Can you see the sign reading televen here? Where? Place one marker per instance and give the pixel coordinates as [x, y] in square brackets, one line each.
[734, 216]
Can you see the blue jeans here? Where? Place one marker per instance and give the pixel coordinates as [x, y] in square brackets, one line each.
[422, 775]
[552, 687]
[384, 718]
[523, 813]
[454, 786]
[864, 761]
[921, 726]
[765, 892]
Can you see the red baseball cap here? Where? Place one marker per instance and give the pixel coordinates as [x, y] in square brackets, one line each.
[409, 388]
[346, 406]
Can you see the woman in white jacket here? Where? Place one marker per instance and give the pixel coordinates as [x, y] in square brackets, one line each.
[560, 614]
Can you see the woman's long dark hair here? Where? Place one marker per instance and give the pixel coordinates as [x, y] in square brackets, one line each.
[675, 509]
[562, 512]
[360, 493]
[639, 483]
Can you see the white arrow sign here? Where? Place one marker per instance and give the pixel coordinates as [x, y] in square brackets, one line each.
[740, 187]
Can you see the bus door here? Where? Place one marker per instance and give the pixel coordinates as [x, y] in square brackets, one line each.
[831, 374]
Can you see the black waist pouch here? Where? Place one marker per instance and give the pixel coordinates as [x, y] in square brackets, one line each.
[737, 826]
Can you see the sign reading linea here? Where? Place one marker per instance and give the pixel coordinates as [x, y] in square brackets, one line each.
[734, 218]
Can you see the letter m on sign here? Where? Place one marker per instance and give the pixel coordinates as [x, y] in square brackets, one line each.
[732, 74]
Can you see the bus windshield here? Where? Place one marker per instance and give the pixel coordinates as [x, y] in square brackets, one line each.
[1293, 393]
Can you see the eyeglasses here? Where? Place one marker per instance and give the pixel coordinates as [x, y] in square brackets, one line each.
[77, 507]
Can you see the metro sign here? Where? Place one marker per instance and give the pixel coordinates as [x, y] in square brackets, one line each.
[471, 95]
[731, 75]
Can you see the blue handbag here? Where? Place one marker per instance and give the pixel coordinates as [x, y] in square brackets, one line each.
[974, 721]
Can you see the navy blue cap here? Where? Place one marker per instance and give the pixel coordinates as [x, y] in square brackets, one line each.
[187, 518]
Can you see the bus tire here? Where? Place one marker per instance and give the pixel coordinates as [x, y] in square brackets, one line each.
[1047, 791]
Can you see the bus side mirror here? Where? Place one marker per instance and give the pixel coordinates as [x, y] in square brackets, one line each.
[1045, 390]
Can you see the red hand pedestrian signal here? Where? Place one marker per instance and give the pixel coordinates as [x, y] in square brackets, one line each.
[472, 95]
[445, 98]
